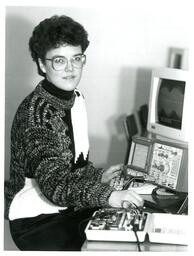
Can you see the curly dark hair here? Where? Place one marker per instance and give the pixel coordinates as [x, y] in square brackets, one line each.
[54, 32]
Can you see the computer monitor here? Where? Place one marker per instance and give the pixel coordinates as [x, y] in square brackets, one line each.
[168, 103]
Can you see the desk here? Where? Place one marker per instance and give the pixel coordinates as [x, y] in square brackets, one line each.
[131, 246]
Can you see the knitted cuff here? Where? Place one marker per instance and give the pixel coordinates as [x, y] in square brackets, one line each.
[100, 195]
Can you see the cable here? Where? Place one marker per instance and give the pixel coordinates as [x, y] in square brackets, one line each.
[168, 203]
[135, 229]
[135, 211]
[137, 238]
[140, 178]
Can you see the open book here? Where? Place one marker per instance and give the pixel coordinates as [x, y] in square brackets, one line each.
[118, 225]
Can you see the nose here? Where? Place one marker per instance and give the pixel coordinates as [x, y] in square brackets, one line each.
[69, 66]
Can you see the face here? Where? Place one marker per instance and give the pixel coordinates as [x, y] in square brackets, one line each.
[68, 78]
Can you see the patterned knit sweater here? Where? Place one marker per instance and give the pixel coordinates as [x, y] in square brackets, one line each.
[42, 149]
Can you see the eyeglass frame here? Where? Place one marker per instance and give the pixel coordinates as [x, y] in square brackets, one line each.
[59, 56]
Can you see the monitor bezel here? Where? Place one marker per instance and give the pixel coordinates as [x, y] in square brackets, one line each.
[152, 125]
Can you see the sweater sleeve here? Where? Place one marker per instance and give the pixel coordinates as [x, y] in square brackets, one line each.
[49, 162]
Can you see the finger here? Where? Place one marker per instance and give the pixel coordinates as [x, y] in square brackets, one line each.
[113, 171]
[138, 200]
[136, 195]
[116, 168]
[134, 198]
[114, 174]
[127, 205]
[119, 166]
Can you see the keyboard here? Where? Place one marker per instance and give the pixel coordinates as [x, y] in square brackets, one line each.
[118, 182]
[133, 180]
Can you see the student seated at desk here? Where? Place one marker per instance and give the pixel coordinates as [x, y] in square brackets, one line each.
[53, 187]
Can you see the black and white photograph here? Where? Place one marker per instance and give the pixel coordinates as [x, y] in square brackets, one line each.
[96, 126]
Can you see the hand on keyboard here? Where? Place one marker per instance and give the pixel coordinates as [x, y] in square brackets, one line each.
[111, 173]
[118, 182]
[122, 180]
[132, 180]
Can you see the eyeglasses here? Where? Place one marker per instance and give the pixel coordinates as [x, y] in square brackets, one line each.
[60, 62]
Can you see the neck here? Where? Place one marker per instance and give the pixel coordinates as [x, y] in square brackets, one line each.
[57, 92]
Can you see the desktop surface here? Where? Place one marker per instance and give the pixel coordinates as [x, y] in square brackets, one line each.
[131, 246]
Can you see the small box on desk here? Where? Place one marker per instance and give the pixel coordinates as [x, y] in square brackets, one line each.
[168, 228]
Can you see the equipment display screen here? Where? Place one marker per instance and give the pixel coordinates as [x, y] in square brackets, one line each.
[140, 156]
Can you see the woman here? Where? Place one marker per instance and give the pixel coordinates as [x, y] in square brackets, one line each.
[53, 187]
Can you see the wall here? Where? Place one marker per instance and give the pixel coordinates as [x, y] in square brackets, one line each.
[125, 44]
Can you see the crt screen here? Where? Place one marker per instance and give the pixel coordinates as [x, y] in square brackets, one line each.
[170, 103]
[140, 156]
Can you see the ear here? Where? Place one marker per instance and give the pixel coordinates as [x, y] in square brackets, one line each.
[41, 65]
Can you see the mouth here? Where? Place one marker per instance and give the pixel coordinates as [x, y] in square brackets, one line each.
[69, 77]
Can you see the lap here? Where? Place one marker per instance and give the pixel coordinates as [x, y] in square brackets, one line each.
[60, 232]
